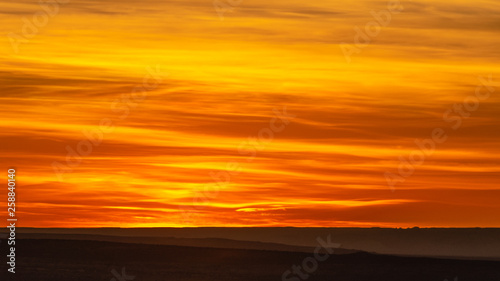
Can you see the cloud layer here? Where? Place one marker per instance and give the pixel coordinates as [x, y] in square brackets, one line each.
[326, 168]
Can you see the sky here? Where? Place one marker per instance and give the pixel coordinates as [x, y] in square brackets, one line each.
[251, 113]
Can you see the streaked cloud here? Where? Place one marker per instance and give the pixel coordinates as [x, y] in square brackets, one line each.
[225, 77]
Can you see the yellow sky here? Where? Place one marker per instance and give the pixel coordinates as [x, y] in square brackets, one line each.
[213, 83]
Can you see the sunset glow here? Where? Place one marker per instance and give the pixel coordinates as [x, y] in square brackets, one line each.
[212, 84]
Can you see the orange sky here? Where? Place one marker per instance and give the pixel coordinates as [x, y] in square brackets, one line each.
[220, 81]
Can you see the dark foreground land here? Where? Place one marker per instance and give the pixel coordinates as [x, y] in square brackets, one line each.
[65, 260]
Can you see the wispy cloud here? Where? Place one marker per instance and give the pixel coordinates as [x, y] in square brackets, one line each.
[225, 78]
